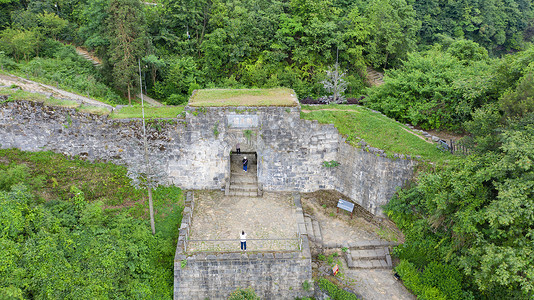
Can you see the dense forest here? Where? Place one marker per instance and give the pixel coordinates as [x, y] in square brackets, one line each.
[186, 45]
[465, 66]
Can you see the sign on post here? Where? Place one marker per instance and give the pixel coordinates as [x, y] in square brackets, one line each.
[345, 205]
[335, 270]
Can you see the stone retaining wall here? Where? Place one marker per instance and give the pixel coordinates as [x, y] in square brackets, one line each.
[194, 152]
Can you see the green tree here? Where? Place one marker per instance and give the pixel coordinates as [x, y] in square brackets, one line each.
[475, 215]
[394, 28]
[433, 89]
[51, 25]
[128, 42]
[20, 43]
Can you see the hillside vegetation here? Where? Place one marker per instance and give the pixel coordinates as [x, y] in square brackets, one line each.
[74, 229]
[465, 66]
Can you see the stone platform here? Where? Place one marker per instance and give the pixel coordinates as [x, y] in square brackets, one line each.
[275, 272]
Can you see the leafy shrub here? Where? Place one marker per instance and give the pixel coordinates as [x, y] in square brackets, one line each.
[335, 292]
[437, 281]
[243, 294]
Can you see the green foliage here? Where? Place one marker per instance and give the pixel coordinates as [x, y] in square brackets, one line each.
[73, 245]
[216, 130]
[433, 89]
[20, 43]
[248, 134]
[437, 281]
[128, 42]
[330, 164]
[243, 294]
[335, 292]
[393, 32]
[150, 112]
[496, 25]
[306, 285]
[474, 216]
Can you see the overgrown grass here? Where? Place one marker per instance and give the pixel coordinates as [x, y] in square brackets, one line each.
[244, 97]
[130, 112]
[357, 123]
[97, 180]
[16, 95]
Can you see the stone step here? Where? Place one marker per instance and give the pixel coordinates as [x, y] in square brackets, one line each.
[244, 188]
[239, 171]
[370, 264]
[243, 194]
[243, 180]
[371, 244]
[369, 254]
[317, 231]
[309, 227]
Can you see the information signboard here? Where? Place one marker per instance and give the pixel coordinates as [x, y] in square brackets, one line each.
[345, 205]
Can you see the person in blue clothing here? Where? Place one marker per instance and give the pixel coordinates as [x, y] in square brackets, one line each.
[243, 238]
[245, 164]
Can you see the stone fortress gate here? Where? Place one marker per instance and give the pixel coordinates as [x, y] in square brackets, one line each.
[195, 152]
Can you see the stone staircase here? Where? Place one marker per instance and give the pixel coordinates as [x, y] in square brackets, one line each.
[313, 228]
[369, 255]
[243, 183]
[88, 57]
[374, 77]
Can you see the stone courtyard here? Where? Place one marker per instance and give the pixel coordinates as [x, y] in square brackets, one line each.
[269, 221]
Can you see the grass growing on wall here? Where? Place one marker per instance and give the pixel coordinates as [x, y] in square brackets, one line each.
[244, 97]
[356, 123]
[130, 112]
[16, 95]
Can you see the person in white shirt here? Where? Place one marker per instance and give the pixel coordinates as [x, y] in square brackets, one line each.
[243, 237]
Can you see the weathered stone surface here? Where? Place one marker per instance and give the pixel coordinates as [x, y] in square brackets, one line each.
[188, 153]
[271, 278]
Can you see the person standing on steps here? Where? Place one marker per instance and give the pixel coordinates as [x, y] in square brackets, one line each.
[245, 164]
[243, 237]
[238, 148]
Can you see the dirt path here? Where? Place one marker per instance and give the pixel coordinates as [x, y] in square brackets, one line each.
[407, 130]
[329, 109]
[48, 90]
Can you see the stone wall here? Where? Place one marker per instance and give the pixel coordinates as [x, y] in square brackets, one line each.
[193, 153]
[32, 126]
[272, 275]
[369, 178]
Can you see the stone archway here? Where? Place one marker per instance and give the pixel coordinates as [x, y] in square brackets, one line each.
[241, 182]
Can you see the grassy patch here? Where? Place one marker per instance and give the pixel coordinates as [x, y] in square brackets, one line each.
[244, 97]
[17, 95]
[356, 123]
[131, 112]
